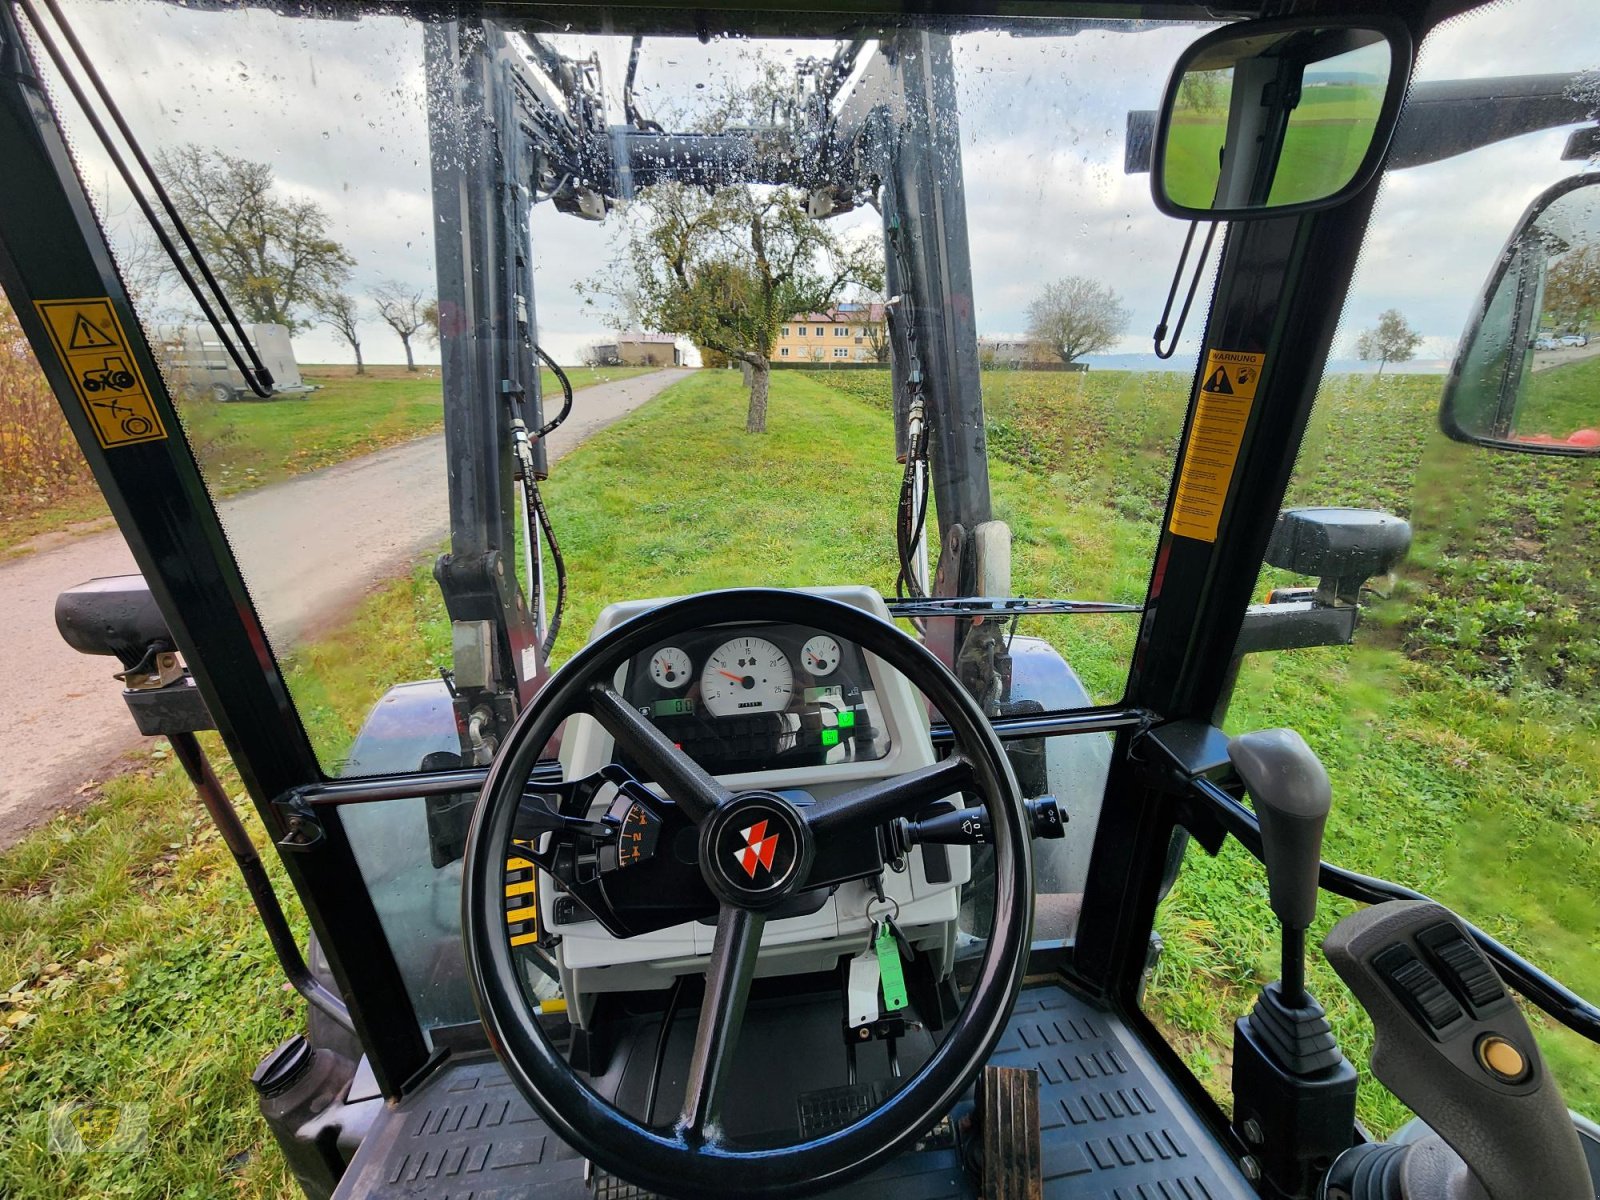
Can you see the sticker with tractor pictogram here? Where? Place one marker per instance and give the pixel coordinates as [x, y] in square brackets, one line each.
[92, 347]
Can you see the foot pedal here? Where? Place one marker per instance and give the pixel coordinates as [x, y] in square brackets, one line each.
[1008, 1108]
[827, 1109]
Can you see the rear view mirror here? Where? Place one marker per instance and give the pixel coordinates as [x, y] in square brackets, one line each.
[1268, 118]
[1527, 375]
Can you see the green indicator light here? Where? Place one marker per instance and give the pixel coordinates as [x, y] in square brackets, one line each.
[830, 737]
[847, 719]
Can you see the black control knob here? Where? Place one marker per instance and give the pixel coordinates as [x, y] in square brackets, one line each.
[1292, 796]
[1452, 1044]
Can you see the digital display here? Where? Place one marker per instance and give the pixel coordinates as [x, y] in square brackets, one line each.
[832, 692]
[676, 706]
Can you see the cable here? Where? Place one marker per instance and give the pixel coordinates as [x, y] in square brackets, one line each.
[566, 392]
[536, 502]
[909, 526]
[256, 376]
[667, 1020]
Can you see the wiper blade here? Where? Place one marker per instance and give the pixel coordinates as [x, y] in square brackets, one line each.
[1001, 606]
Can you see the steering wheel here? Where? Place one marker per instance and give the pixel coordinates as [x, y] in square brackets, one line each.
[692, 1156]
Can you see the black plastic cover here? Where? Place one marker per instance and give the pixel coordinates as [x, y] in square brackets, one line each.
[1338, 543]
[113, 615]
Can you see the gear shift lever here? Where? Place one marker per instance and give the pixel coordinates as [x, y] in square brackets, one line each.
[1292, 797]
[1294, 1093]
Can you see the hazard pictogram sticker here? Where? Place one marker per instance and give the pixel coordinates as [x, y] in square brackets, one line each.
[1232, 373]
[91, 344]
[1227, 391]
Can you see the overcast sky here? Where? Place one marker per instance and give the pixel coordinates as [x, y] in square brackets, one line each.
[338, 109]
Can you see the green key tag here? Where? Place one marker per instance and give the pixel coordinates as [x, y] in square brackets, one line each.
[894, 976]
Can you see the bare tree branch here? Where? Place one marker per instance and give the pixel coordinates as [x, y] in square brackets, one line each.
[403, 310]
[1076, 316]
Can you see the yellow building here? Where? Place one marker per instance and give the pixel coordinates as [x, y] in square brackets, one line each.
[847, 333]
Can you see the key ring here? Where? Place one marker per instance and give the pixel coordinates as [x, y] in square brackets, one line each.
[893, 913]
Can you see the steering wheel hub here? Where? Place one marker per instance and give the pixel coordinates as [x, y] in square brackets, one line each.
[755, 850]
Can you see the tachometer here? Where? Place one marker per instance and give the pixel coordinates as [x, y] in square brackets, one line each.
[745, 675]
[820, 655]
[670, 667]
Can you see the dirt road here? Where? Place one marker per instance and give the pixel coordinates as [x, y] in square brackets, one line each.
[310, 547]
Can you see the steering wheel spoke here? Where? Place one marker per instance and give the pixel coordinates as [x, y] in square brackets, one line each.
[728, 977]
[882, 801]
[696, 792]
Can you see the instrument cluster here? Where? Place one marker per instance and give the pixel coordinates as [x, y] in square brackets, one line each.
[760, 696]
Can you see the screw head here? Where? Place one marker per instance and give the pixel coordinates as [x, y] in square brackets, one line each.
[1252, 1131]
[1251, 1168]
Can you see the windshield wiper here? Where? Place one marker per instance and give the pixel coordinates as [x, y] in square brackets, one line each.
[1000, 606]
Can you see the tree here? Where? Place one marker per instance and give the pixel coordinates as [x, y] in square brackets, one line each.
[727, 269]
[1572, 287]
[876, 329]
[271, 253]
[1076, 316]
[342, 313]
[1391, 340]
[404, 311]
[1205, 91]
[430, 322]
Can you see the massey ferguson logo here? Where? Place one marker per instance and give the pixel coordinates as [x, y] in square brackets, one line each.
[757, 850]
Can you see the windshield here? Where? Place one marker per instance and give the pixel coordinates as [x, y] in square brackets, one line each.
[1460, 728]
[319, 166]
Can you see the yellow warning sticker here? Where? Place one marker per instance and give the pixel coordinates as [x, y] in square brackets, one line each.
[92, 346]
[1227, 390]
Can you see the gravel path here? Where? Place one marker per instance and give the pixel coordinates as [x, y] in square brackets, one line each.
[63, 718]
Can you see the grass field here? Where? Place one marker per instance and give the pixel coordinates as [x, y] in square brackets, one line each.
[1460, 731]
[1560, 400]
[1328, 135]
[247, 444]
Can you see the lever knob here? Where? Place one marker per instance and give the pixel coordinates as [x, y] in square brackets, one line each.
[1292, 797]
[1451, 1044]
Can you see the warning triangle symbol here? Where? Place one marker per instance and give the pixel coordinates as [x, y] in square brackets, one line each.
[1219, 382]
[86, 337]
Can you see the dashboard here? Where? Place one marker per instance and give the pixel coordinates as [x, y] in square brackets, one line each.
[756, 696]
[784, 708]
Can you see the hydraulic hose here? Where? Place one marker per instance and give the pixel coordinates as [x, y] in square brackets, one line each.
[566, 393]
[536, 503]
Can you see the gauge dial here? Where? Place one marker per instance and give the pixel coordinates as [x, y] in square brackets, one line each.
[746, 675]
[820, 655]
[670, 667]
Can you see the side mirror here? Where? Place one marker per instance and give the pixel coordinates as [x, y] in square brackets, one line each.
[1267, 118]
[1526, 376]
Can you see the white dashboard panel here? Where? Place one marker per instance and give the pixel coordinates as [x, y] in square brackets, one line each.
[593, 961]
